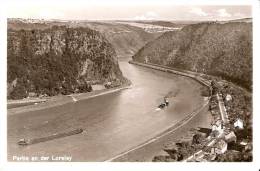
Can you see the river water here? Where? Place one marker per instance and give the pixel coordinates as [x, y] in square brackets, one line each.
[112, 123]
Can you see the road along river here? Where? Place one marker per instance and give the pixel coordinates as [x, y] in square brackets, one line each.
[112, 123]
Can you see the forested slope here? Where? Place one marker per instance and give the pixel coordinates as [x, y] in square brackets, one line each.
[59, 60]
[223, 50]
[126, 39]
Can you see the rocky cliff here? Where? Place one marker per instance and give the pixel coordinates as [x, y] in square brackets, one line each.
[223, 50]
[59, 60]
[125, 39]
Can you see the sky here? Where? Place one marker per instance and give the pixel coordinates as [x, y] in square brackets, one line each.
[124, 10]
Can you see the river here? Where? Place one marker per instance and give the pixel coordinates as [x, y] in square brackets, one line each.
[112, 123]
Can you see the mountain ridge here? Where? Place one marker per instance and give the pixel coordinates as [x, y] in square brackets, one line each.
[223, 50]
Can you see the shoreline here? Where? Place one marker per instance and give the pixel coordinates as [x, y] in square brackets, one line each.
[149, 151]
[163, 155]
[162, 135]
[173, 128]
[170, 123]
[59, 100]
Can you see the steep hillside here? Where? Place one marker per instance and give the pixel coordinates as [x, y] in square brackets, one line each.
[59, 60]
[126, 39]
[160, 50]
[223, 50]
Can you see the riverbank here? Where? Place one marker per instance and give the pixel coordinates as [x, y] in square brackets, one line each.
[198, 118]
[193, 75]
[146, 153]
[111, 123]
[228, 138]
[48, 102]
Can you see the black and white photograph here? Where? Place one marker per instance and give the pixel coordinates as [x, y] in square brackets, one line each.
[129, 81]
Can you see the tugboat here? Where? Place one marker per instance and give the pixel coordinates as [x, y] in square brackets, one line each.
[23, 142]
[164, 104]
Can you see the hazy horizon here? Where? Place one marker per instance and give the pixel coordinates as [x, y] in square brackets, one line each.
[177, 20]
[127, 10]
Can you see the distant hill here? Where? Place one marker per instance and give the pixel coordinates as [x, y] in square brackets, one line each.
[58, 60]
[241, 20]
[161, 23]
[18, 24]
[223, 50]
[126, 39]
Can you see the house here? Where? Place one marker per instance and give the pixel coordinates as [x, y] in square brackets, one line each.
[146, 59]
[239, 124]
[217, 126]
[228, 97]
[32, 94]
[230, 137]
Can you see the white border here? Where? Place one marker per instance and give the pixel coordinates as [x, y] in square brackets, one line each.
[4, 165]
[132, 2]
[3, 118]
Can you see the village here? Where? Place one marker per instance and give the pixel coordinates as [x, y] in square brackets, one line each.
[230, 136]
